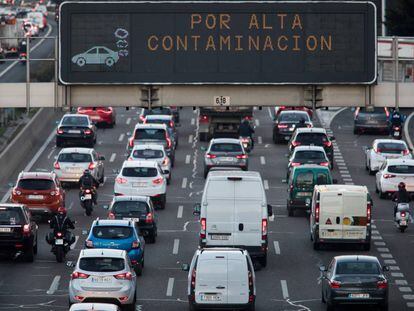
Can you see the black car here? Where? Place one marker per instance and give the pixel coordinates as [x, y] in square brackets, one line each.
[139, 209]
[354, 279]
[371, 119]
[77, 130]
[315, 136]
[169, 111]
[18, 231]
[287, 122]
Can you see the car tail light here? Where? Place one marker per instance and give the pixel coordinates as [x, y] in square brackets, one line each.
[241, 156]
[79, 275]
[135, 244]
[406, 152]
[210, 156]
[334, 284]
[193, 280]
[203, 119]
[79, 298]
[91, 166]
[149, 218]
[317, 212]
[203, 224]
[89, 243]
[295, 143]
[158, 181]
[386, 176]
[111, 215]
[282, 126]
[56, 165]
[369, 212]
[382, 284]
[16, 192]
[59, 131]
[171, 123]
[264, 229]
[327, 143]
[387, 113]
[121, 180]
[377, 150]
[168, 142]
[123, 276]
[402, 214]
[26, 230]
[324, 163]
[291, 187]
[88, 132]
[165, 161]
[142, 118]
[131, 142]
[293, 164]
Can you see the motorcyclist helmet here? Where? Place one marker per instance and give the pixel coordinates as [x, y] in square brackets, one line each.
[86, 172]
[62, 210]
[401, 186]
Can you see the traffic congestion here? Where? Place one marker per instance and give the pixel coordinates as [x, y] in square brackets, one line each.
[115, 213]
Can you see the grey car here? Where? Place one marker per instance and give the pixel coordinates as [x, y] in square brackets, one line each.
[354, 279]
[228, 152]
[371, 119]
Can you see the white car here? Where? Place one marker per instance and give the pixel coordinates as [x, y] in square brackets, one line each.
[391, 173]
[142, 178]
[154, 153]
[308, 155]
[383, 149]
[94, 306]
[72, 162]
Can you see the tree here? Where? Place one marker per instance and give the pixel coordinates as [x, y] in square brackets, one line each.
[400, 19]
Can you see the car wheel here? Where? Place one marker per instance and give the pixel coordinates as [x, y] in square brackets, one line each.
[152, 237]
[163, 202]
[316, 245]
[291, 211]
[35, 247]
[251, 307]
[371, 172]
[109, 61]
[169, 180]
[382, 195]
[203, 136]
[384, 307]
[172, 161]
[29, 254]
[80, 62]
[192, 307]
[205, 173]
[263, 260]
[366, 246]
[330, 307]
[102, 179]
[138, 269]
[323, 297]
[356, 132]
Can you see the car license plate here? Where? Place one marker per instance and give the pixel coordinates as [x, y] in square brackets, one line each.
[227, 159]
[304, 194]
[95, 117]
[209, 297]
[396, 134]
[35, 197]
[359, 296]
[139, 184]
[59, 242]
[74, 131]
[131, 219]
[220, 237]
[5, 229]
[87, 197]
[97, 279]
[403, 223]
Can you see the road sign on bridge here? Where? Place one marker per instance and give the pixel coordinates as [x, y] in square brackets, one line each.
[217, 43]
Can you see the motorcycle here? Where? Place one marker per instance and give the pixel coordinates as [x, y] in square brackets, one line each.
[246, 142]
[60, 246]
[396, 132]
[23, 58]
[86, 200]
[402, 216]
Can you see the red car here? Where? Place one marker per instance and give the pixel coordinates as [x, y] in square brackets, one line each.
[279, 109]
[100, 115]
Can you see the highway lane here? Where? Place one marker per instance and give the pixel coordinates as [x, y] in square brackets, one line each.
[289, 282]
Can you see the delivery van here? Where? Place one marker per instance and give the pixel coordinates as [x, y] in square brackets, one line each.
[234, 212]
[341, 214]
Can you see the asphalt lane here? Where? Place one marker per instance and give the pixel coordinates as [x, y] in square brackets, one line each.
[289, 282]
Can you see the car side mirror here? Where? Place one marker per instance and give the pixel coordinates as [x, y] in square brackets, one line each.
[269, 210]
[101, 158]
[385, 268]
[334, 181]
[322, 269]
[197, 209]
[202, 148]
[185, 267]
[165, 172]
[57, 122]
[56, 157]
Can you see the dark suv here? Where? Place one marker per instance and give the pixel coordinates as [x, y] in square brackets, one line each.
[18, 232]
[374, 119]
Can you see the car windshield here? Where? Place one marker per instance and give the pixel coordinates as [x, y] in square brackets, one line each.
[148, 154]
[226, 147]
[10, 216]
[75, 121]
[157, 134]
[317, 139]
[304, 179]
[112, 232]
[35, 184]
[130, 207]
[309, 155]
[75, 157]
[401, 169]
[139, 172]
[357, 267]
[293, 117]
[391, 148]
[100, 264]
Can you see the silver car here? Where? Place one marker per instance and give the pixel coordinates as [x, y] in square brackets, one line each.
[103, 274]
[228, 152]
[72, 162]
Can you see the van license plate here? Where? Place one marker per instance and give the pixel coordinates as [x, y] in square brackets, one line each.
[220, 237]
[74, 131]
[359, 296]
[210, 297]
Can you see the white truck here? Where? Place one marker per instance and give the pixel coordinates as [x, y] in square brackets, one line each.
[11, 33]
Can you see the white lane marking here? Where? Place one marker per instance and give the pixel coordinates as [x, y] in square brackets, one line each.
[257, 122]
[32, 162]
[344, 172]
[187, 159]
[270, 113]
[397, 274]
[401, 282]
[376, 237]
[54, 286]
[394, 268]
[184, 183]
[277, 247]
[262, 160]
[346, 175]
[379, 243]
[74, 243]
[50, 153]
[31, 50]
[349, 183]
[347, 179]
[373, 226]
[121, 137]
[190, 139]
[113, 156]
[375, 232]
[410, 304]
[285, 291]
[386, 255]
[128, 121]
[260, 140]
[170, 286]
[406, 133]
[180, 212]
[266, 184]
[408, 297]
[390, 261]
[176, 245]
[405, 289]
[71, 205]
[192, 121]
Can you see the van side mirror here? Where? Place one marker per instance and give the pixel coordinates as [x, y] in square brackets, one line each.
[334, 181]
[101, 158]
[197, 209]
[385, 268]
[185, 267]
[322, 268]
[269, 210]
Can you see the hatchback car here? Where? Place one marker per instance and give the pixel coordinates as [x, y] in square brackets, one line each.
[228, 152]
[391, 173]
[142, 178]
[307, 155]
[279, 109]
[40, 192]
[139, 209]
[118, 234]
[354, 279]
[374, 119]
[100, 115]
[18, 231]
[383, 149]
[168, 121]
[103, 275]
[75, 129]
[287, 122]
[94, 306]
[72, 162]
[169, 111]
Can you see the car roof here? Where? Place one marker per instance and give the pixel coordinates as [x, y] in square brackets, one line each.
[310, 130]
[140, 163]
[309, 148]
[341, 188]
[123, 198]
[150, 126]
[159, 116]
[148, 146]
[75, 115]
[102, 252]
[112, 222]
[400, 161]
[243, 174]
[76, 150]
[294, 112]
[385, 140]
[347, 258]
[34, 175]
[225, 140]
[90, 306]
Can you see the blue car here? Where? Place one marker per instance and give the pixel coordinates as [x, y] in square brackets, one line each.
[119, 234]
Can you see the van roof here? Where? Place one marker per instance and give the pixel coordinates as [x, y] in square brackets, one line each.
[213, 253]
[342, 188]
[310, 167]
[220, 175]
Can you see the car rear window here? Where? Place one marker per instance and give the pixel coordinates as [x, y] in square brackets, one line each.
[391, 147]
[304, 179]
[401, 169]
[372, 110]
[75, 121]
[130, 207]
[158, 121]
[164, 111]
[112, 232]
[357, 267]
[157, 134]
[11, 216]
[148, 154]
[139, 172]
[226, 147]
[75, 157]
[293, 117]
[36, 184]
[317, 139]
[309, 155]
[102, 264]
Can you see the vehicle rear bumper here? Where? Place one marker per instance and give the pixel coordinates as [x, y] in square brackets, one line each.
[376, 297]
[254, 251]
[344, 241]
[371, 127]
[41, 210]
[14, 246]
[221, 306]
[299, 204]
[101, 296]
[75, 139]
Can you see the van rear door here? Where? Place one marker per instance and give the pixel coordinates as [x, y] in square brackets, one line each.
[238, 280]
[249, 197]
[355, 217]
[219, 212]
[330, 215]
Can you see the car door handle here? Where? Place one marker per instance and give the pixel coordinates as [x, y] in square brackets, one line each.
[220, 287]
[241, 227]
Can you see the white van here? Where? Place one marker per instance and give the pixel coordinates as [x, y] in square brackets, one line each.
[341, 214]
[221, 278]
[234, 212]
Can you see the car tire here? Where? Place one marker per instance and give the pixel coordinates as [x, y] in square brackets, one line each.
[316, 245]
[29, 254]
[323, 297]
[203, 136]
[172, 161]
[192, 307]
[291, 211]
[102, 179]
[370, 172]
[138, 269]
[35, 247]
[152, 237]
[169, 180]
[251, 307]
[366, 246]
[109, 61]
[263, 260]
[59, 143]
[330, 307]
[81, 62]
[382, 195]
[384, 307]
[356, 131]
[163, 202]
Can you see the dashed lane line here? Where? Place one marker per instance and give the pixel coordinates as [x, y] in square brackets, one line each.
[176, 246]
[260, 139]
[262, 160]
[184, 183]
[266, 184]
[128, 121]
[285, 291]
[192, 121]
[257, 122]
[170, 287]
[190, 139]
[401, 282]
[54, 286]
[180, 211]
[113, 156]
[187, 159]
[74, 243]
[121, 137]
[277, 247]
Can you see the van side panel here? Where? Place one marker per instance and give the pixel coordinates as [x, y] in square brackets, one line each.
[211, 273]
[354, 219]
[330, 216]
[238, 281]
